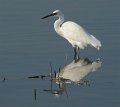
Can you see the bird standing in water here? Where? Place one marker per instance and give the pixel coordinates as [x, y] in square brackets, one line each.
[74, 33]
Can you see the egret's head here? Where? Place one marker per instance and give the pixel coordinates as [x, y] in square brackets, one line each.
[57, 13]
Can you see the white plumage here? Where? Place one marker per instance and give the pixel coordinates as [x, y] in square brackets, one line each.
[77, 36]
[73, 32]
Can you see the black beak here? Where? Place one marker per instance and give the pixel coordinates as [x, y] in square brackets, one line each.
[49, 15]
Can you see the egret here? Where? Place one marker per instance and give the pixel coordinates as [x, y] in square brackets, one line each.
[74, 33]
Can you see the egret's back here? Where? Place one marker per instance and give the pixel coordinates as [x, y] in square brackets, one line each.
[77, 36]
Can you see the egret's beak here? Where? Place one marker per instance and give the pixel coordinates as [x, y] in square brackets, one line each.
[49, 15]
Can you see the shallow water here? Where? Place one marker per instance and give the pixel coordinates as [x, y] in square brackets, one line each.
[29, 48]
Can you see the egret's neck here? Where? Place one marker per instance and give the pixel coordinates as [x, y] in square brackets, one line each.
[57, 25]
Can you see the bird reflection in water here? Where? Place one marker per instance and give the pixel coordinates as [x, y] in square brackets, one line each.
[73, 72]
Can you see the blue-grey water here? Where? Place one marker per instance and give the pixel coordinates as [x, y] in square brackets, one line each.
[30, 47]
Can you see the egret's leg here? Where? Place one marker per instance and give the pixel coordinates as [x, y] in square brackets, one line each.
[76, 51]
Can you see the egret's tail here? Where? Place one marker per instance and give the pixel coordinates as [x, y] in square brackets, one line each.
[95, 42]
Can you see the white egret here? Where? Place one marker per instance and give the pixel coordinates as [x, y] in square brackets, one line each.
[74, 33]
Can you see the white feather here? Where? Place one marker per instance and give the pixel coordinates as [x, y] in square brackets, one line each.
[77, 36]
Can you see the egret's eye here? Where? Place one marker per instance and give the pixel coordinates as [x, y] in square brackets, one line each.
[55, 13]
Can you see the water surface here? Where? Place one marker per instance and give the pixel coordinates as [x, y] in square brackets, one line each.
[29, 45]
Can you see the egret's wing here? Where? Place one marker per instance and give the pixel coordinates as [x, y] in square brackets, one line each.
[74, 31]
[75, 34]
